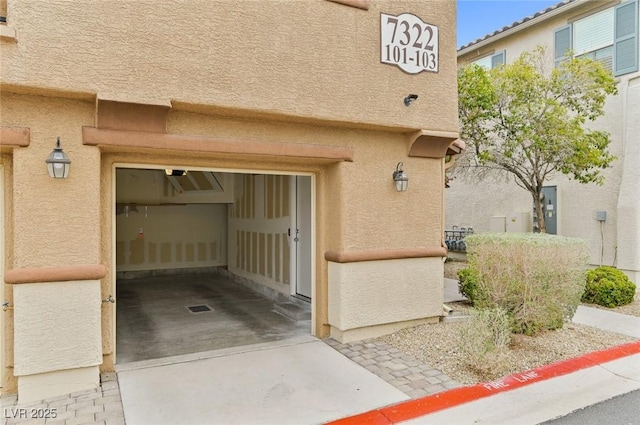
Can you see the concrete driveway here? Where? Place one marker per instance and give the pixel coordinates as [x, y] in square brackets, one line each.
[297, 381]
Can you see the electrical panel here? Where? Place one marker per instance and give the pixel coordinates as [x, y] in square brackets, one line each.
[519, 222]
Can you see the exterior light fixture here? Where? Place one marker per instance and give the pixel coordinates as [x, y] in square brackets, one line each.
[409, 99]
[400, 178]
[58, 163]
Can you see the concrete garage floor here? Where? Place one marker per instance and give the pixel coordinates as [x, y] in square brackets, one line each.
[153, 320]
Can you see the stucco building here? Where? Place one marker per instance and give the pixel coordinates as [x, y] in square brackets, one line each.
[607, 216]
[255, 138]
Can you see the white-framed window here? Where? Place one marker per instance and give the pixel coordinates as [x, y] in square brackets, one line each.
[593, 37]
[491, 61]
[609, 36]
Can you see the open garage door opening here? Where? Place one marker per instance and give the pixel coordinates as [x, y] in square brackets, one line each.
[209, 260]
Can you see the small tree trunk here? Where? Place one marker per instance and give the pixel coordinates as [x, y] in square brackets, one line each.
[539, 213]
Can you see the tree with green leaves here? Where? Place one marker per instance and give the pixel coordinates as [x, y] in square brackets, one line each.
[527, 119]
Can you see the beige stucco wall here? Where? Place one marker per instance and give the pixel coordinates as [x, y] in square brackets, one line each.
[218, 53]
[315, 78]
[367, 295]
[33, 388]
[472, 202]
[9, 382]
[357, 205]
[42, 205]
[528, 37]
[361, 216]
[57, 328]
[367, 198]
[628, 212]
[48, 222]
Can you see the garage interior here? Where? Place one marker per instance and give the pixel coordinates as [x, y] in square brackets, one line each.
[208, 260]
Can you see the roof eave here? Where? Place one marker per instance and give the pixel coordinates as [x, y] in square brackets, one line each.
[519, 27]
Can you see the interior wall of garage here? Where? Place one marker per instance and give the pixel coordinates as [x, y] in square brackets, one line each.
[258, 223]
[248, 235]
[158, 228]
[171, 237]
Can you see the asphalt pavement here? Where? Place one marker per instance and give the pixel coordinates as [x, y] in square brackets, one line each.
[621, 410]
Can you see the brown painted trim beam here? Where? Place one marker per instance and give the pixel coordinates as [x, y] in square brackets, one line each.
[434, 144]
[135, 139]
[360, 4]
[132, 116]
[55, 274]
[14, 136]
[456, 147]
[389, 254]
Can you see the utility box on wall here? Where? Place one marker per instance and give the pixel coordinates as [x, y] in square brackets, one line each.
[519, 222]
[498, 224]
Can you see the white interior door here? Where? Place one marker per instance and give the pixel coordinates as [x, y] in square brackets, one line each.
[301, 235]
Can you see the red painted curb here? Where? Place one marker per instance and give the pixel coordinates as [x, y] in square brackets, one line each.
[419, 407]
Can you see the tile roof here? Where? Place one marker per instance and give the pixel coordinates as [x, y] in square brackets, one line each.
[516, 23]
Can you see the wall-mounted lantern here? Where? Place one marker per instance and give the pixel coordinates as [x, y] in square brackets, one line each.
[400, 178]
[58, 163]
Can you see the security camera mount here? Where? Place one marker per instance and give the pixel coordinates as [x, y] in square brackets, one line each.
[409, 99]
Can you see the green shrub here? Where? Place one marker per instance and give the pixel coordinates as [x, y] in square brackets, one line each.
[609, 287]
[537, 278]
[467, 282]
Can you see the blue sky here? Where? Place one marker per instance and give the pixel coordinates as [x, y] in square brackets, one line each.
[477, 18]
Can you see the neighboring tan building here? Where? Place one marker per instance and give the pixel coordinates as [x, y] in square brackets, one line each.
[271, 107]
[607, 216]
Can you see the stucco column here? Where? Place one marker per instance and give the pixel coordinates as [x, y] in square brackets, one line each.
[56, 265]
[380, 295]
[57, 338]
[629, 196]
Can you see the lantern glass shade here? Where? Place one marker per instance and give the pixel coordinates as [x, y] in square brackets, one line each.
[400, 178]
[58, 163]
[401, 184]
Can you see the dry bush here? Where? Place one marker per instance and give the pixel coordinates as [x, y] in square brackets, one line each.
[538, 279]
[484, 339]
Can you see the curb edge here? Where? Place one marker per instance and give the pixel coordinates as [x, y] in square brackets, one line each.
[412, 409]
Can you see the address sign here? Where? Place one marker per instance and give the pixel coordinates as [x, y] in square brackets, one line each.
[409, 43]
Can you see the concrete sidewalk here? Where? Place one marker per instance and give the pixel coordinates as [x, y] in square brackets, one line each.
[608, 321]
